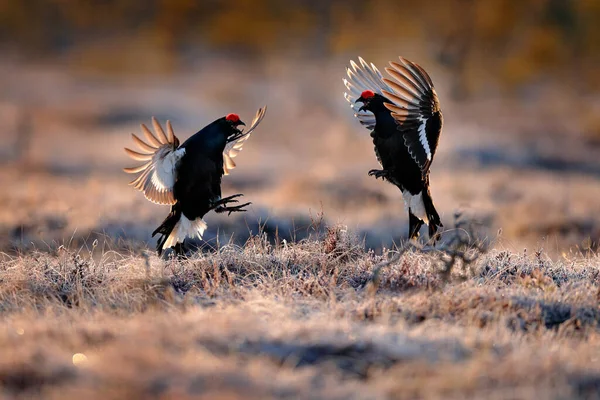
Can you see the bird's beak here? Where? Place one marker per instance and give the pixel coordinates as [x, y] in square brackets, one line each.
[239, 125]
[361, 100]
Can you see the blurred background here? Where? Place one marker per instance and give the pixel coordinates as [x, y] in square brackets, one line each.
[518, 83]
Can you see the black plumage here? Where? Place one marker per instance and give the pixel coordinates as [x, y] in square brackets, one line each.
[189, 176]
[406, 122]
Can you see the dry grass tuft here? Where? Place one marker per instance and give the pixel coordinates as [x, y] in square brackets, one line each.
[300, 320]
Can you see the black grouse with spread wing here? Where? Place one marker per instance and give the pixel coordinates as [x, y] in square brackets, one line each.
[406, 121]
[188, 177]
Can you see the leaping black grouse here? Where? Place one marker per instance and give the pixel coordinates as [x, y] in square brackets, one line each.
[188, 177]
[406, 121]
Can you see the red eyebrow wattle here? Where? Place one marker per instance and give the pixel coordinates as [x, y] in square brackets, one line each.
[367, 94]
[232, 117]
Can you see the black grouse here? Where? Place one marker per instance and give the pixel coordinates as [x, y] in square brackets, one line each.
[188, 177]
[406, 121]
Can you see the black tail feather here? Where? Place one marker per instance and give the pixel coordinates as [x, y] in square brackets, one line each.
[432, 214]
[166, 228]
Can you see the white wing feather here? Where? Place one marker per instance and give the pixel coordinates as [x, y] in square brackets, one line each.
[161, 156]
[412, 101]
[233, 148]
[363, 77]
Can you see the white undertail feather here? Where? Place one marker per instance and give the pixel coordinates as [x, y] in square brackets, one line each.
[423, 137]
[185, 228]
[416, 205]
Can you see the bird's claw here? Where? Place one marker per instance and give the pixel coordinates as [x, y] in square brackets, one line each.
[239, 208]
[231, 199]
[229, 210]
[378, 173]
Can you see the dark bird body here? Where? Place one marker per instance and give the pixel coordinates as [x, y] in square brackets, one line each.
[198, 185]
[406, 123]
[191, 175]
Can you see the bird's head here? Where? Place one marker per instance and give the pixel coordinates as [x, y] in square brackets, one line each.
[233, 121]
[366, 98]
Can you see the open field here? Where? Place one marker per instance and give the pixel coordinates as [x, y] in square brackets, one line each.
[529, 172]
[285, 301]
[305, 320]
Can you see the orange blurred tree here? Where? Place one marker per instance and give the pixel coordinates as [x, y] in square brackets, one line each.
[509, 42]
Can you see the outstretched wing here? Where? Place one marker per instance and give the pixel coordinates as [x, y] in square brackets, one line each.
[235, 146]
[416, 109]
[161, 157]
[363, 77]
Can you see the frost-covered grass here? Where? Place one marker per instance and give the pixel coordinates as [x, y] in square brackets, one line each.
[298, 320]
[314, 318]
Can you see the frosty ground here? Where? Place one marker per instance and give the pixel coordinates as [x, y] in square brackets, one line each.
[296, 298]
[320, 318]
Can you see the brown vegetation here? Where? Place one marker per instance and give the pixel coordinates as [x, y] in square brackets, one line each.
[298, 320]
[282, 302]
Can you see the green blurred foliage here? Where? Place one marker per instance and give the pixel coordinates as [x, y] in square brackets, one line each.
[516, 42]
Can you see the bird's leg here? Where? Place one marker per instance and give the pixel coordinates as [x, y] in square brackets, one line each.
[179, 250]
[414, 225]
[379, 173]
[238, 208]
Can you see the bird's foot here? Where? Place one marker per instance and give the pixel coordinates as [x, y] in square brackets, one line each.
[378, 173]
[230, 199]
[229, 210]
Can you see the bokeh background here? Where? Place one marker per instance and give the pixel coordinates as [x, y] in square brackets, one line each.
[518, 82]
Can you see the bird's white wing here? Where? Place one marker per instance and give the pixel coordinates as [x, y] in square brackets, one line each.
[161, 157]
[360, 78]
[412, 101]
[415, 106]
[235, 146]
